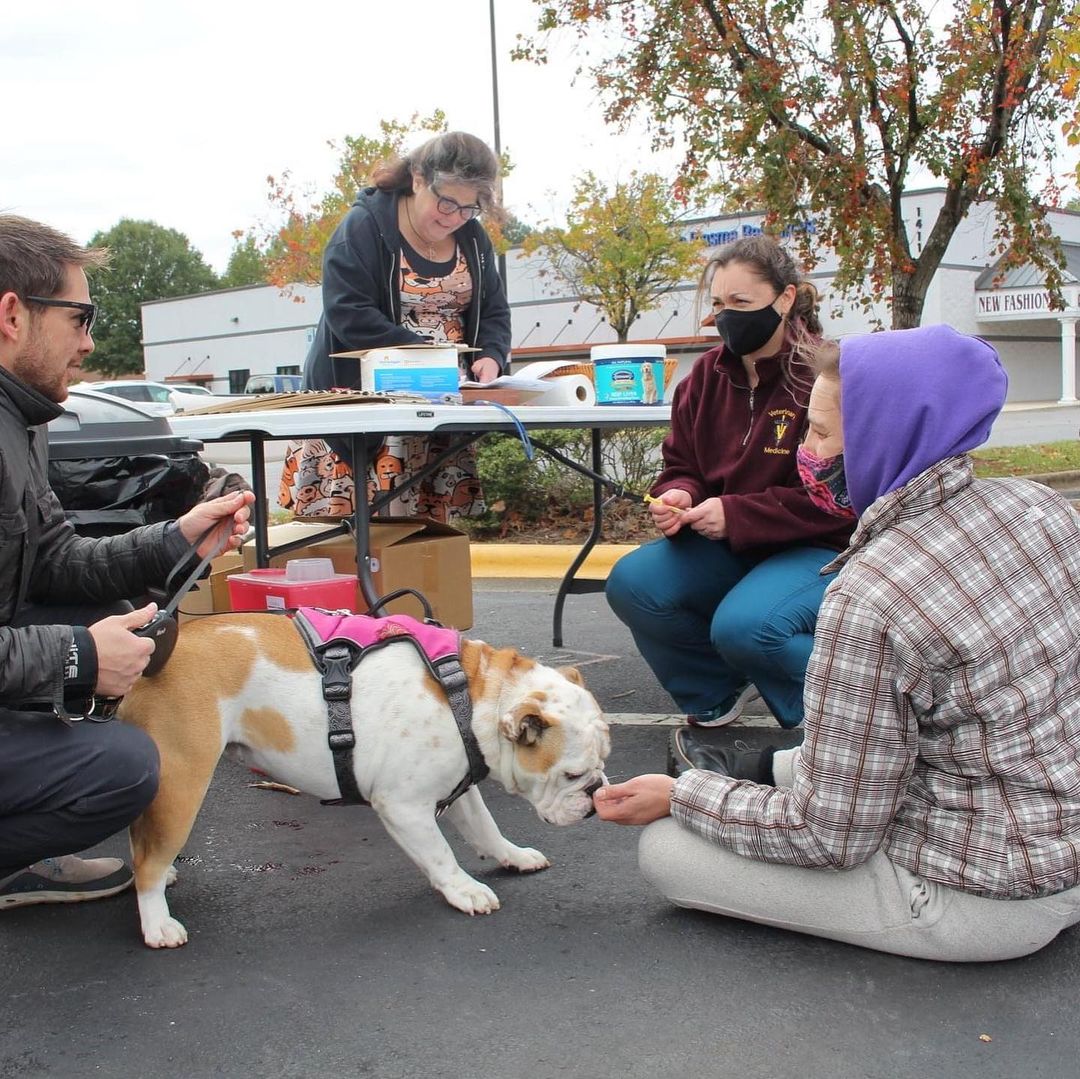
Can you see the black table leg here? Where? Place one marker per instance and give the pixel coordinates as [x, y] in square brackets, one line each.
[570, 584]
[362, 522]
[261, 508]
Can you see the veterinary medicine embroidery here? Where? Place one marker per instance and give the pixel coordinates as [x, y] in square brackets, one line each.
[782, 420]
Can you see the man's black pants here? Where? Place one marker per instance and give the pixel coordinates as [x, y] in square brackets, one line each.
[64, 788]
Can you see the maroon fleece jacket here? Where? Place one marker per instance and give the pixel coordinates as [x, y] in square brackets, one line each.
[739, 444]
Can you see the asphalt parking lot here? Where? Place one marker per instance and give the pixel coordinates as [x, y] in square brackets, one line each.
[318, 950]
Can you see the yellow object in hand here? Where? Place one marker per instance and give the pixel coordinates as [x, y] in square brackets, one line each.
[660, 502]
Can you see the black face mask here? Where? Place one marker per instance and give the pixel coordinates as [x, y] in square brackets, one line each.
[744, 332]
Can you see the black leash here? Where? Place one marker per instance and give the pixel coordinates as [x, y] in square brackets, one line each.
[619, 490]
[163, 628]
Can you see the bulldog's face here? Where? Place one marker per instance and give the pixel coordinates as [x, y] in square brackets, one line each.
[559, 742]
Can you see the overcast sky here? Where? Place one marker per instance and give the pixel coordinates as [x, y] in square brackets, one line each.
[177, 112]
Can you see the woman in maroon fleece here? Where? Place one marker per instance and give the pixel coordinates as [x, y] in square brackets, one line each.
[728, 599]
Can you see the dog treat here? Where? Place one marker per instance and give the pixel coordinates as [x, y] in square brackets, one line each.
[661, 502]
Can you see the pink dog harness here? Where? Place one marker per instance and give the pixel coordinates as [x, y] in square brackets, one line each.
[337, 641]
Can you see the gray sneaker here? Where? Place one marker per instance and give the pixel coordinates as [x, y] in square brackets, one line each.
[66, 879]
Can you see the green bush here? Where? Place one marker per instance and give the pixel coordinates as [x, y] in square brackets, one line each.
[513, 485]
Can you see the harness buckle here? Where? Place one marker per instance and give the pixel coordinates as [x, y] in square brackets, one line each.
[337, 691]
[343, 739]
[453, 677]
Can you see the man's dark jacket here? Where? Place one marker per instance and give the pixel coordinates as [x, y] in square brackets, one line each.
[42, 560]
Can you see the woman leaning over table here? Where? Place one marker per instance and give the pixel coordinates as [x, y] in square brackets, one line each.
[728, 598]
[410, 264]
[933, 809]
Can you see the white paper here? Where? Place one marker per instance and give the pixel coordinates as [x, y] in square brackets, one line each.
[542, 368]
[509, 382]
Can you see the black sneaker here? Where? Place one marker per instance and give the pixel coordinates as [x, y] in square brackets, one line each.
[744, 753]
[66, 879]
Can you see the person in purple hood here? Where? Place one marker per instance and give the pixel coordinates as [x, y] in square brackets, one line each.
[933, 808]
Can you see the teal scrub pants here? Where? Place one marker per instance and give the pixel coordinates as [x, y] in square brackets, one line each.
[708, 620]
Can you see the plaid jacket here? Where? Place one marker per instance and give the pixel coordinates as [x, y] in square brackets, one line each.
[942, 699]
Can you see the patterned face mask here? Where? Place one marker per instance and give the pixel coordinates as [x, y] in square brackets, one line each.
[825, 482]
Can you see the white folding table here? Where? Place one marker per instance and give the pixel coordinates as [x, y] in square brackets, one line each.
[355, 422]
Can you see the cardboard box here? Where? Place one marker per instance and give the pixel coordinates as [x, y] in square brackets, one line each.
[211, 594]
[406, 552]
[431, 370]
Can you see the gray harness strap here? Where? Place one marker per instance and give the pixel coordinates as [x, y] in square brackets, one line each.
[449, 672]
[335, 661]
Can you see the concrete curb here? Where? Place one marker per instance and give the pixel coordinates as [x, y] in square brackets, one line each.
[552, 560]
[545, 560]
[1056, 479]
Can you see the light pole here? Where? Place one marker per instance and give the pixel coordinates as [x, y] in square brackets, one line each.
[495, 109]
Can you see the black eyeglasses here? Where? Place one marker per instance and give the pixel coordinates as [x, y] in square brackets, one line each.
[449, 206]
[87, 311]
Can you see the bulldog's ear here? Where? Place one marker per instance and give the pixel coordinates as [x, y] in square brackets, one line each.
[524, 724]
[572, 674]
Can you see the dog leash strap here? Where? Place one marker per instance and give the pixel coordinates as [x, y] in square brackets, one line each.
[617, 489]
[519, 427]
[197, 572]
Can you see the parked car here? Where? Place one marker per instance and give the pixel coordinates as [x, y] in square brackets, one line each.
[189, 388]
[114, 465]
[160, 398]
[272, 384]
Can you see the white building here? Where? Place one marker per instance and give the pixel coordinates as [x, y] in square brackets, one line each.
[220, 338]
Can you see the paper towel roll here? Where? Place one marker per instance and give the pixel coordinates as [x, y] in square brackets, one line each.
[567, 390]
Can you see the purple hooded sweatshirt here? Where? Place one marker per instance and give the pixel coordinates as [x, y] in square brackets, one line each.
[911, 398]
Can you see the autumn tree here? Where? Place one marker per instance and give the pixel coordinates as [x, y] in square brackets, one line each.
[148, 262]
[825, 109]
[295, 247]
[620, 250]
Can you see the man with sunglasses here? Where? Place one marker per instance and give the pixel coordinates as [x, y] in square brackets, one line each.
[66, 781]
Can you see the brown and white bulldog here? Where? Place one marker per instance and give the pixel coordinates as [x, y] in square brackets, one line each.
[245, 683]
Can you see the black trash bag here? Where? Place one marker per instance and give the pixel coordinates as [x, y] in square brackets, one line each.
[106, 496]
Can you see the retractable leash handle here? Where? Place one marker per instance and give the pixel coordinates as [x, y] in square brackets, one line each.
[163, 628]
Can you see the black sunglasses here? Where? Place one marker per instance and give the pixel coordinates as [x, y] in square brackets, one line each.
[88, 311]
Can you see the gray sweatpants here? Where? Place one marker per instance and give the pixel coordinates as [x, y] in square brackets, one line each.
[876, 905]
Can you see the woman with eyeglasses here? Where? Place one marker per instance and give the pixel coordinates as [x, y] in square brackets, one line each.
[409, 264]
[727, 599]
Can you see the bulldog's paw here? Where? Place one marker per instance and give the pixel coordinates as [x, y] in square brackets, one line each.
[170, 876]
[524, 860]
[470, 896]
[168, 933]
